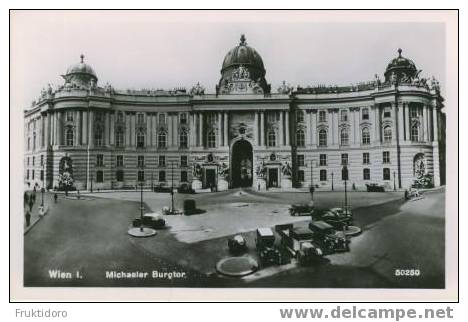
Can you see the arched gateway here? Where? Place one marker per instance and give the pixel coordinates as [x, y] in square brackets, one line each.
[241, 164]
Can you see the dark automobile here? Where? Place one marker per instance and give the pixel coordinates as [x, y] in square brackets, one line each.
[330, 239]
[265, 243]
[301, 210]
[152, 220]
[237, 244]
[185, 188]
[374, 187]
[339, 218]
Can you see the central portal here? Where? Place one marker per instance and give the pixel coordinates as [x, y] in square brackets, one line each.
[241, 170]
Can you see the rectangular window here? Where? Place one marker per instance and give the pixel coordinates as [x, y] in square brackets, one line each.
[344, 116]
[323, 175]
[120, 161]
[322, 116]
[299, 116]
[27, 161]
[140, 140]
[69, 116]
[162, 118]
[365, 113]
[141, 175]
[42, 160]
[387, 112]
[33, 174]
[272, 117]
[414, 112]
[300, 176]
[386, 174]
[183, 161]
[162, 176]
[300, 160]
[323, 160]
[386, 157]
[210, 118]
[344, 158]
[183, 176]
[183, 118]
[119, 175]
[141, 161]
[366, 174]
[99, 176]
[27, 174]
[33, 161]
[365, 158]
[140, 118]
[162, 161]
[42, 175]
[99, 160]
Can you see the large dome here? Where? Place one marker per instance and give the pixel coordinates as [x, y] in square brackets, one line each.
[401, 67]
[243, 55]
[80, 73]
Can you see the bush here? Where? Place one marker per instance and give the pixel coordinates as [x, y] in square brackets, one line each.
[189, 206]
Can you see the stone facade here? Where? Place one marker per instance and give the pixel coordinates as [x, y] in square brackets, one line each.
[388, 132]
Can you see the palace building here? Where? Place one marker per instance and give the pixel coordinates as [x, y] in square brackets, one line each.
[388, 131]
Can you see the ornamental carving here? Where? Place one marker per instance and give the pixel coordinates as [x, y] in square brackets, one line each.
[240, 83]
[286, 169]
[197, 90]
[284, 89]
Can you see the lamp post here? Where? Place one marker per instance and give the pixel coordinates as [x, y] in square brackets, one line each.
[172, 188]
[312, 188]
[332, 181]
[394, 183]
[91, 183]
[141, 206]
[344, 176]
[152, 186]
[43, 185]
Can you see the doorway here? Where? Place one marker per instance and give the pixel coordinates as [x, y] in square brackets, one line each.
[210, 178]
[241, 168]
[273, 178]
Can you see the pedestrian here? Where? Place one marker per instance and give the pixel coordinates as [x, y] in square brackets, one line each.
[28, 218]
[258, 186]
[78, 194]
[31, 204]
[406, 194]
[55, 197]
[34, 198]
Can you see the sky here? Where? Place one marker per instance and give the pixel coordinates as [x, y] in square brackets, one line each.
[166, 50]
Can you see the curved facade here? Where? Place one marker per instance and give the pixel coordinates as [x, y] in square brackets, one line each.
[388, 132]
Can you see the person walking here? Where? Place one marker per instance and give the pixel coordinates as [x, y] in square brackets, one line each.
[28, 218]
[31, 204]
[55, 197]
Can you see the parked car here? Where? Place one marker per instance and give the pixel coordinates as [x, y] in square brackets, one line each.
[299, 243]
[237, 245]
[185, 188]
[374, 187]
[301, 210]
[151, 220]
[162, 188]
[265, 243]
[330, 239]
[336, 217]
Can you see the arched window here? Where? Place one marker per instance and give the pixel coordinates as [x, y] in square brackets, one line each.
[119, 138]
[140, 140]
[323, 137]
[300, 138]
[183, 140]
[161, 139]
[365, 136]
[211, 139]
[415, 133]
[69, 137]
[299, 116]
[387, 134]
[271, 138]
[98, 137]
[344, 137]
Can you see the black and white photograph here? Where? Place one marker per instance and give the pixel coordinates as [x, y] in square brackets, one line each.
[253, 150]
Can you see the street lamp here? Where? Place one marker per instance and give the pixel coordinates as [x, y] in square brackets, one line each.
[152, 186]
[312, 188]
[344, 175]
[43, 185]
[141, 206]
[172, 188]
[91, 183]
[141, 231]
[332, 181]
[394, 183]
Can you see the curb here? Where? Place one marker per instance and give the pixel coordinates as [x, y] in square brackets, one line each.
[27, 229]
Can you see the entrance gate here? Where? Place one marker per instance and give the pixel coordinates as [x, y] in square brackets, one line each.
[241, 164]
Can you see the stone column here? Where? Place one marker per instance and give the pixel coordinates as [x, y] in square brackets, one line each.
[191, 132]
[395, 122]
[46, 119]
[226, 128]
[78, 128]
[154, 135]
[287, 132]
[127, 130]
[314, 128]
[132, 129]
[401, 124]
[435, 125]
[220, 129]
[377, 124]
[255, 128]
[84, 128]
[424, 124]
[407, 122]
[308, 128]
[336, 137]
[106, 128]
[91, 129]
[200, 129]
[148, 137]
[262, 128]
[281, 130]
[112, 128]
[352, 126]
[60, 128]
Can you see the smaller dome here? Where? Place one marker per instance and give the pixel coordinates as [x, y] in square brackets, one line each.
[81, 74]
[401, 67]
[81, 68]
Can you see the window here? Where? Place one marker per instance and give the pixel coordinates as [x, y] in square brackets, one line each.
[29, 143]
[387, 112]
[162, 119]
[98, 137]
[119, 175]
[344, 137]
[141, 176]
[300, 176]
[183, 176]
[415, 133]
[140, 140]
[365, 136]
[27, 160]
[322, 137]
[162, 139]
[119, 138]
[210, 118]
[183, 118]
[300, 160]
[27, 174]
[120, 117]
[140, 118]
[99, 160]
[344, 116]
[365, 158]
[119, 160]
[42, 160]
[299, 116]
[69, 116]
[323, 175]
[33, 161]
[322, 116]
[271, 138]
[387, 134]
[386, 157]
[300, 138]
[323, 160]
[386, 173]
[366, 174]
[344, 158]
[162, 161]
[211, 139]
[99, 176]
[183, 161]
[141, 161]
[33, 174]
[272, 117]
[69, 137]
[365, 113]
[162, 175]
[42, 175]
[34, 141]
[414, 112]
[183, 139]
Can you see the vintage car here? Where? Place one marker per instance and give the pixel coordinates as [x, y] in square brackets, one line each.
[301, 210]
[185, 188]
[267, 251]
[374, 187]
[339, 218]
[299, 243]
[237, 244]
[330, 239]
[152, 220]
